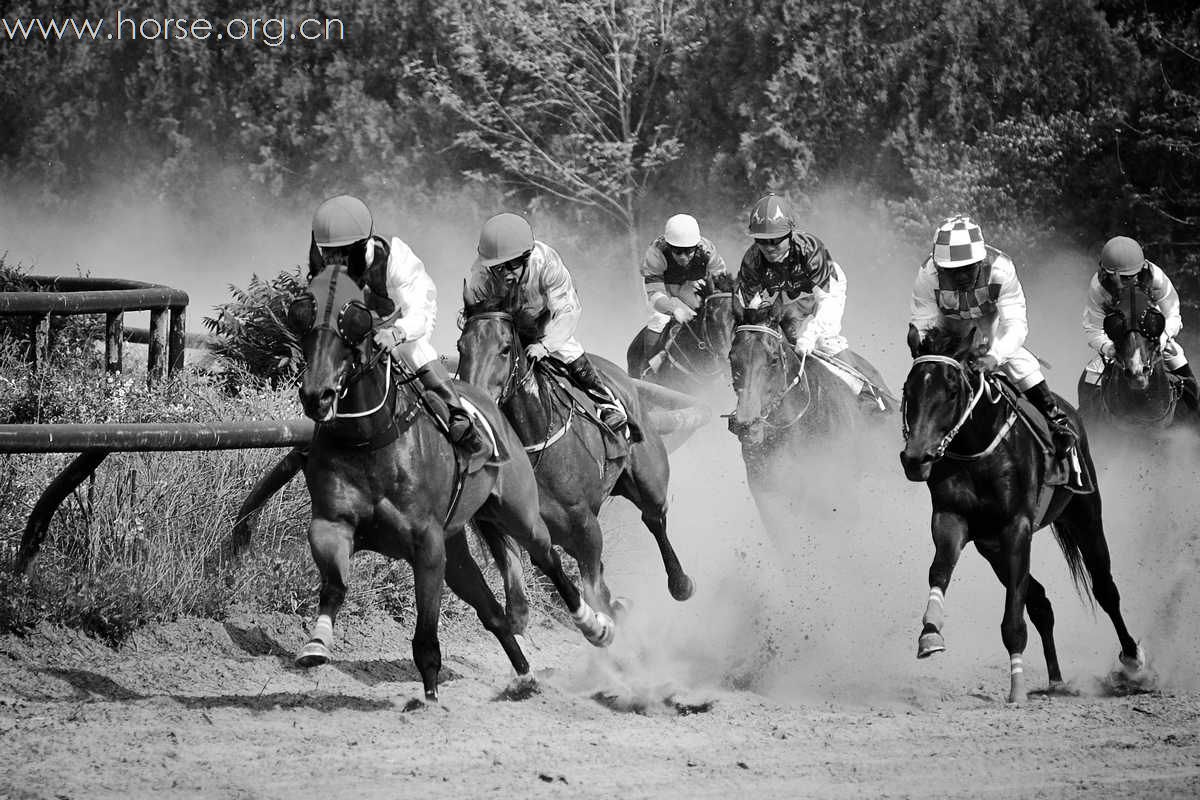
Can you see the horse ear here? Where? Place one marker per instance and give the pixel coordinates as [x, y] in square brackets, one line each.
[914, 340]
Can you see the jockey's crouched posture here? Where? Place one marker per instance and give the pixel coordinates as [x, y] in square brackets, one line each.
[397, 288]
[1122, 266]
[677, 266]
[966, 283]
[785, 258]
[527, 279]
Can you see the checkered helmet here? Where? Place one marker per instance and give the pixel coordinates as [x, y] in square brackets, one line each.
[958, 243]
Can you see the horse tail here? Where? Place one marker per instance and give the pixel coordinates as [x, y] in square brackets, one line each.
[1067, 535]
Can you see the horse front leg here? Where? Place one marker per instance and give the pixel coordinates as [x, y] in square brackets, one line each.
[1016, 539]
[332, 544]
[949, 536]
[429, 572]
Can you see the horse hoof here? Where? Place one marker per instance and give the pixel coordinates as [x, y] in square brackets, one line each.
[930, 643]
[604, 632]
[683, 588]
[313, 654]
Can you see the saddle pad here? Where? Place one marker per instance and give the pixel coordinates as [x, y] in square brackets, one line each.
[499, 454]
[854, 381]
[614, 446]
[1069, 471]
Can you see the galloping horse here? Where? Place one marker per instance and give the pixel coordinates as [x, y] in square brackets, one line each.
[695, 354]
[986, 464]
[1134, 393]
[383, 476]
[578, 462]
[787, 406]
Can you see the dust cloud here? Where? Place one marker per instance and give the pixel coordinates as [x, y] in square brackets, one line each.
[826, 608]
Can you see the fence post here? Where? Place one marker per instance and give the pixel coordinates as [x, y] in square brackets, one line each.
[176, 340]
[156, 362]
[40, 353]
[114, 340]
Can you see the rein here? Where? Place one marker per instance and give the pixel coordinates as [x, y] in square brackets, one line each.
[985, 388]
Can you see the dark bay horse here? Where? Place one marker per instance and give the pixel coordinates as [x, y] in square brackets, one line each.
[788, 407]
[693, 356]
[577, 462]
[986, 469]
[1135, 394]
[383, 476]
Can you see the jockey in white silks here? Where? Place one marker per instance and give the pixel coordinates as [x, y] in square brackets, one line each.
[528, 279]
[397, 288]
[965, 283]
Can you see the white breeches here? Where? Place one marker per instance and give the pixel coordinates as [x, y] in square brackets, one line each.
[415, 354]
[1023, 369]
[570, 351]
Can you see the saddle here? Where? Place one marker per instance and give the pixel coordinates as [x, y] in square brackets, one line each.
[1069, 472]
[496, 454]
[588, 406]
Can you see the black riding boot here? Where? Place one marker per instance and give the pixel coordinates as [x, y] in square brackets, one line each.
[1190, 387]
[1062, 432]
[586, 377]
[462, 430]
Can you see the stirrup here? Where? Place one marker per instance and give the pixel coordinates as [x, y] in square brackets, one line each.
[613, 417]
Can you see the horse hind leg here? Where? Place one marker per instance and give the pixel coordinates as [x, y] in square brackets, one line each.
[465, 580]
[645, 485]
[1080, 530]
[332, 544]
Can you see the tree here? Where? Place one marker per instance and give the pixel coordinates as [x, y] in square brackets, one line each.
[563, 96]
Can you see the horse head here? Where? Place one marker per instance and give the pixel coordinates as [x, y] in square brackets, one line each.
[715, 320]
[490, 354]
[334, 327]
[763, 365]
[1135, 327]
[937, 397]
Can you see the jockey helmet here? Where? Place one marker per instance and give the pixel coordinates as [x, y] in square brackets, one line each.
[503, 238]
[771, 218]
[958, 243]
[682, 230]
[1122, 255]
[340, 221]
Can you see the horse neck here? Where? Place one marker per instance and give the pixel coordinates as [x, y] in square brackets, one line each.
[989, 415]
[529, 407]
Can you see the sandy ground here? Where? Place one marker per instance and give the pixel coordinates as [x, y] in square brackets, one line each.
[791, 673]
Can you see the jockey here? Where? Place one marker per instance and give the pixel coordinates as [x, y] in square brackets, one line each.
[678, 265]
[1122, 265]
[398, 289]
[784, 258]
[530, 279]
[965, 283]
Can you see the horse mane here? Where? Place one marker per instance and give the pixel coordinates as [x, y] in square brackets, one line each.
[721, 282]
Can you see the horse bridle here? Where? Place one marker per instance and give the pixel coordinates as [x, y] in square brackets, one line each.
[702, 340]
[976, 396]
[781, 343]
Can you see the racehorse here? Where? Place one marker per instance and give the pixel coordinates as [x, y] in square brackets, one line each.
[578, 462]
[382, 476]
[695, 355]
[788, 406]
[986, 467]
[1135, 393]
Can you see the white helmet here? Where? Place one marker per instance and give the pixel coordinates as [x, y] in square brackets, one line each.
[682, 231]
[958, 243]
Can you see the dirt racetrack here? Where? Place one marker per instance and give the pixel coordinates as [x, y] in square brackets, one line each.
[790, 674]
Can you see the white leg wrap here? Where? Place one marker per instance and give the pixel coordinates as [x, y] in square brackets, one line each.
[1016, 663]
[323, 630]
[935, 613]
